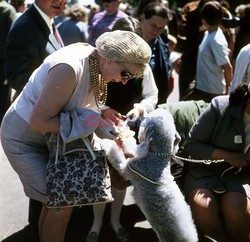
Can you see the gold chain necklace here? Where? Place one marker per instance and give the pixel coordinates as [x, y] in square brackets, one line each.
[98, 84]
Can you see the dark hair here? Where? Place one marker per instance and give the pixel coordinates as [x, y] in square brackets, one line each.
[17, 3]
[225, 4]
[157, 9]
[240, 95]
[212, 13]
[143, 3]
[128, 24]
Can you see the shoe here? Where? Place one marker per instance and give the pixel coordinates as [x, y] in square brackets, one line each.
[92, 237]
[122, 235]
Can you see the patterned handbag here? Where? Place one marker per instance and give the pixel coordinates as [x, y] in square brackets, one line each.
[79, 178]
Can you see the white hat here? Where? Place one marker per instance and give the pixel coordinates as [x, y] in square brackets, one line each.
[123, 46]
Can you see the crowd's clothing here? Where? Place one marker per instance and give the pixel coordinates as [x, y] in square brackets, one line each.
[160, 66]
[243, 34]
[101, 23]
[17, 138]
[73, 31]
[213, 54]
[220, 126]
[35, 42]
[185, 113]
[136, 93]
[7, 16]
[190, 29]
[242, 68]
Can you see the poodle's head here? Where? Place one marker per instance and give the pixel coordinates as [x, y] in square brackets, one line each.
[158, 132]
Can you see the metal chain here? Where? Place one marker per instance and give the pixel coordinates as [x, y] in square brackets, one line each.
[207, 162]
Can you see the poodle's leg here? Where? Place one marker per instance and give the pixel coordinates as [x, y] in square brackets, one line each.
[117, 159]
[106, 144]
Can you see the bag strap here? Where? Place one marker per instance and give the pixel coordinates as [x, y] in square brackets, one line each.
[88, 145]
[57, 147]
[85, 140]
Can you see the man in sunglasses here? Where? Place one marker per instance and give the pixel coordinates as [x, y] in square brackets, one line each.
[103, 21]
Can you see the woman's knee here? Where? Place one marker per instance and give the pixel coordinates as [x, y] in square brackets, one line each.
[59, 214]
[203, 203]
[235, 207]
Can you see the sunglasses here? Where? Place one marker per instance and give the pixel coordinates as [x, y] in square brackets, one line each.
[108, 1]
[126, 75]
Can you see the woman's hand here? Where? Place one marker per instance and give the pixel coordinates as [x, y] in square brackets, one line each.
[235, 159]
[133, 115]
[112, 115]
[240, 162]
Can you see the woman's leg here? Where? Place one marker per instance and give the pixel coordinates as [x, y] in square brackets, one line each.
[119, 186]
[55, 221]
[235, 208]
[42, 218]
[116, 207]
[98, 210]
[206, 213]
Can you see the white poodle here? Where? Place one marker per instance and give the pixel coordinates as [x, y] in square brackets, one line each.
[155, 190]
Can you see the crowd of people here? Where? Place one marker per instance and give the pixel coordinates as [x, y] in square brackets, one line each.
[70, 56]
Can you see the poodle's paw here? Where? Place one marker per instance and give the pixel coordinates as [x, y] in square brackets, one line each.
[106, 144]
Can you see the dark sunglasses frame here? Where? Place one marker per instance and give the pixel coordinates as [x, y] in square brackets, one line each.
[126, 75]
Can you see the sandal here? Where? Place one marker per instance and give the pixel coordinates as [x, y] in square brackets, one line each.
[122, 235]
[92, 237]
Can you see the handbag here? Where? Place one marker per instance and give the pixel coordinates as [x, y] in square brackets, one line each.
[79, 177]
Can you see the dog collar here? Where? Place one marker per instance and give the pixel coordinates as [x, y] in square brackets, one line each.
[162, 154]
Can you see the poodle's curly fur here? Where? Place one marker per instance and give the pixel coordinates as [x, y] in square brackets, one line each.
[155, 190]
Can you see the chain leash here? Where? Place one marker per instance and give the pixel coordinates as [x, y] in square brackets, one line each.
[207, 162]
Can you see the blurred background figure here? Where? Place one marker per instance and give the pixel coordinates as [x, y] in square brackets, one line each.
[191, 29]
[243, 31]
[104, 21]
[154, 19]
[93, 10]
[7, 16]
[143, 3]
[74, 28]
[242, 68]
[20, 7]
[214, 69]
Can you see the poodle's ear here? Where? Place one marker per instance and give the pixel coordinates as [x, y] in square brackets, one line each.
[150, 145]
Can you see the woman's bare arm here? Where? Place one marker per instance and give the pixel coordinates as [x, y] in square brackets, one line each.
[54, 96]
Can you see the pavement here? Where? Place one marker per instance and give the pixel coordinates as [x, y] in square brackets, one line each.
[14, 215]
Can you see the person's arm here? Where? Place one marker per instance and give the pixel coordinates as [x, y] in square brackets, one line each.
[54, 96]
[236, 159]
[149, 94]
[228, 73]
[241, 66]
[149, 91]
